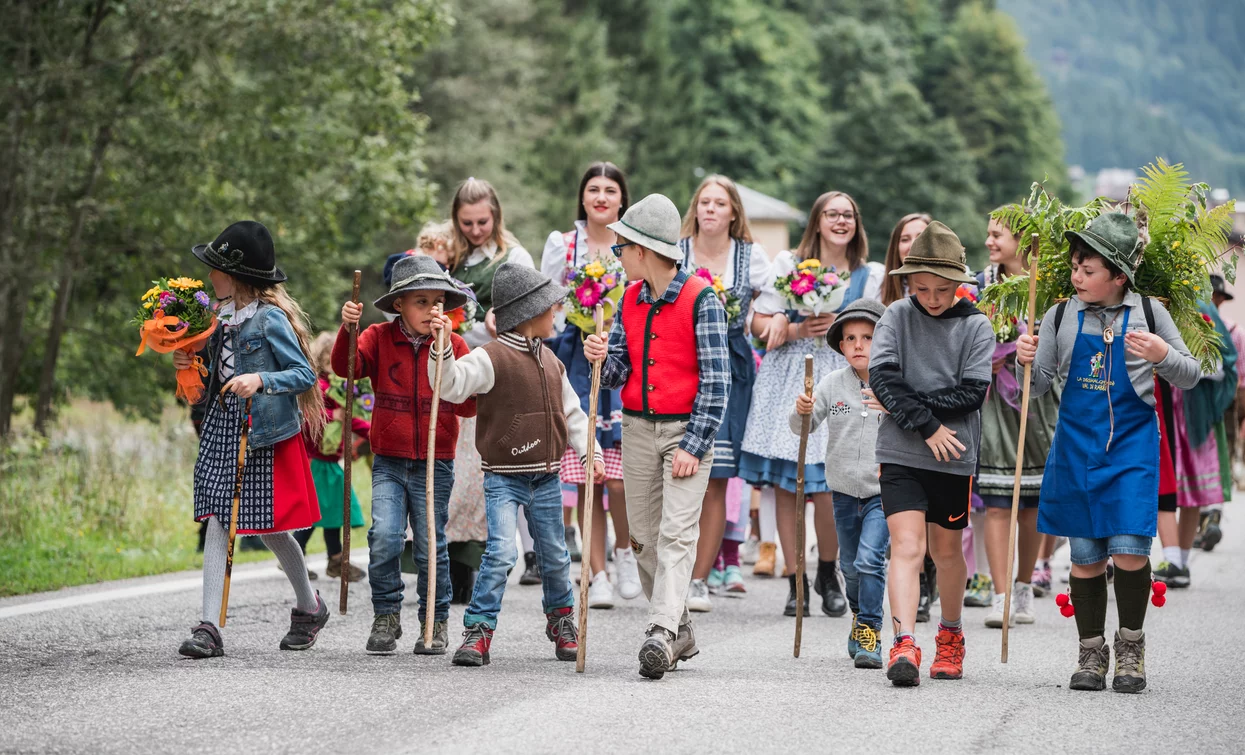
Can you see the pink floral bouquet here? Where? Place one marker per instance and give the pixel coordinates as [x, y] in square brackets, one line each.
[730, 302]
[598, 282]
[810, 288]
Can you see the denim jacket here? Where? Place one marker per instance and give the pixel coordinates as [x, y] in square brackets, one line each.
[267, 345]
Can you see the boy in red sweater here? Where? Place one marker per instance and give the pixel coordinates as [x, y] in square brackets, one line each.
[394, 355]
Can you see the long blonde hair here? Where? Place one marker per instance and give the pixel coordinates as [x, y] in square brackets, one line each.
[810, 244]
[473, 191]
[892, 285]
[739, 220]
[322, 353]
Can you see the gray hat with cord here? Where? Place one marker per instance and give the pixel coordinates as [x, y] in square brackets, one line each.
[521, 293]
[869, 310]
[1114, 236]
[654, 223]
[421, 273]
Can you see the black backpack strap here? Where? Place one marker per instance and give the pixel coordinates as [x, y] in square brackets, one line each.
[1059, 316]
[1148, 308]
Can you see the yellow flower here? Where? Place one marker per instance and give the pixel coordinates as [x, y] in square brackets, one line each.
[1175, 245]
[152, 293]
[594, 269]
[185, 283]
[1185, 282]
[809, 264]
[149, 304]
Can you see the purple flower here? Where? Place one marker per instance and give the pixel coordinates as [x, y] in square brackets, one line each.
[166, 298]
[181, 325]
[368, 401]
[202, 298]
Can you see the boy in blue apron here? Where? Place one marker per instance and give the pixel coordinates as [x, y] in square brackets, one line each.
[1100, 487]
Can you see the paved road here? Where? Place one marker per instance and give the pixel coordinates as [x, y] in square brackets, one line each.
[98, 672]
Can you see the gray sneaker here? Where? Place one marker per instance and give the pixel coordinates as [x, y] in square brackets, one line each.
[1092, 663]
[1130, 661]
[684, 648]
[440, 639]
[305, 626]
[386, 630]
[698, 597]
[657, 653]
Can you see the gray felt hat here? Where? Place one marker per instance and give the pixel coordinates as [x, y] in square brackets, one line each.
[421, 273]
[654, 223]
[870, 310]
[521, 293]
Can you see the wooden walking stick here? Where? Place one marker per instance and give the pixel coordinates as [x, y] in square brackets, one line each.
[348, 449]
[233, 514]
[430, 464]
[805, 420]
[585, 566]
[1020, 450]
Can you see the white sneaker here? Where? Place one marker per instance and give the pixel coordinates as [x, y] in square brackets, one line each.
[698, 597]
[748, 551]
[1022, 603]
[627, 573]
[600, 592]
[994, 619]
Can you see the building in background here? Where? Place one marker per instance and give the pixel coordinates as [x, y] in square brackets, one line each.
[770, 219]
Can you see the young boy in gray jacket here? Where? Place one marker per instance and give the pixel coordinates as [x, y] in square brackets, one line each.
[852, 473]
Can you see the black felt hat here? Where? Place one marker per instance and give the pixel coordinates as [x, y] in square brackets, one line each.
[245, 251]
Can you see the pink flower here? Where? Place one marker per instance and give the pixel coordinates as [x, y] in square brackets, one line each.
[589, 293]
[830, 279]
[703, 272]
[609, 281]
[803, 284]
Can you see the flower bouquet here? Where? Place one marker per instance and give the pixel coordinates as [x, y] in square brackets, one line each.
[595, 283]
[464, 317]
[364, 402]
[730, 302]
[176, 315]
[810, 288]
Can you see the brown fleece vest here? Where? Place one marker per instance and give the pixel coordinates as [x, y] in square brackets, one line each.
[520, 425]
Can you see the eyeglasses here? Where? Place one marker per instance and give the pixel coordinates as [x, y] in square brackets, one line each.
[617, 249]
[833, 215]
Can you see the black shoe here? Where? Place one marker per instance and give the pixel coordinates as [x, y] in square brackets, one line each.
[923, 603]
[386, 630]
[833, 603]
[1212, 532]
[790, 609]
[304, 627]
[204, 642]
[657, 653]
[1172, 575]
[440, 639]
[531, 569]
[462, 582]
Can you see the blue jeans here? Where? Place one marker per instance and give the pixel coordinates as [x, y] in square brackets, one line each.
[863, 537]
[398, 495]
[503, 495]
[1089, 550]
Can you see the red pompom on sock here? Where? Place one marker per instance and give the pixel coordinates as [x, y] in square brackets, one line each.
[1067, 610]
[1062, 599]
[1158, 600]
[1159, 596]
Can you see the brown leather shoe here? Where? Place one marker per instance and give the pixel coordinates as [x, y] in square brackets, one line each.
[334, 569]
[767, 553]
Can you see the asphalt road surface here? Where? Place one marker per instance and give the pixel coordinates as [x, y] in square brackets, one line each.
[95, 670]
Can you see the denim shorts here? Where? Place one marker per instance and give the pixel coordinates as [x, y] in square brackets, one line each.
[1089, 550]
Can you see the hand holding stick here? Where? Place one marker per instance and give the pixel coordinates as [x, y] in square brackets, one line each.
[800, 506]
[348, 448]
[585, 571]
[430, 481]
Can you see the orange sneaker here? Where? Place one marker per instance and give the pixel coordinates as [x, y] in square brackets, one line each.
[949, 661]
[904, 669]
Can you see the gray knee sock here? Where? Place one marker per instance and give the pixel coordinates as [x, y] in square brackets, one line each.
[290, 555]
[215, 550]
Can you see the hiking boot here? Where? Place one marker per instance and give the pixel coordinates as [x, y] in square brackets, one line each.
[334, 569]
[980, 592]
[924, 602]
[627, 574]
[869, 646]
[440, 638]
[1172, 575]
[949, 657]
[833, 604]
[684, 648]
[572, 544]
[715, 580]
[531, 569]
[386, 630]
[698, 597]
[733, 582]
[1041, 579]
[1130, 661]
[657, 652]
[304, 626]
[474, 650]
[204, 642]
[1212, 532]
[789, 610]
[853, 645]
[904, 669]
[767, 554]
[1093, 659]
[561, 630]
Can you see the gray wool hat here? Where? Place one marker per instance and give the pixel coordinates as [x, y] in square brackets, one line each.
[654, 223]
[420, 273]
[861, 309]
[521, 293]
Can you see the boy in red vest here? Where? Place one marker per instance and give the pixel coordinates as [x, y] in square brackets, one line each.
[394, 355]
[668, 353]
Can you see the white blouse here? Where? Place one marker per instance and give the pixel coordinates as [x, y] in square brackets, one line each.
[758, 266]
[232, 317]
[770, 302]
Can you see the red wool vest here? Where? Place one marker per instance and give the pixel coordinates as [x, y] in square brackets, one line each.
[661, 341]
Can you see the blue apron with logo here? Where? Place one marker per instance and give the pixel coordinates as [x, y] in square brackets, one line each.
[1101, 481]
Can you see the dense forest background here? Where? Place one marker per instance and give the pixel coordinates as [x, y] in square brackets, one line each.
[133, 129]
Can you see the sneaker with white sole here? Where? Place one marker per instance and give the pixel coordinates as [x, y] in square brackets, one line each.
[698, 597]
[994, 619]
[733, 582]
[600, 592]
[1022, 603]
[627, 574]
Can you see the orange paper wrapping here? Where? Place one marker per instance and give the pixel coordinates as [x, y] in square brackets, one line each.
[156, 334]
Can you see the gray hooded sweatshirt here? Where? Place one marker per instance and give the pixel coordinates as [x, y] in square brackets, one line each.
[851, 468]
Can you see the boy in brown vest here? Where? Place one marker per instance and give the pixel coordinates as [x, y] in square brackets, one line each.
[521, 432]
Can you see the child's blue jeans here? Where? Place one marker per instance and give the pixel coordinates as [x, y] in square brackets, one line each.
[398, 496]
[863, 537]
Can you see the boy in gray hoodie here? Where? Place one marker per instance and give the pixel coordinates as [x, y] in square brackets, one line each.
[852, 473]
[930, 370]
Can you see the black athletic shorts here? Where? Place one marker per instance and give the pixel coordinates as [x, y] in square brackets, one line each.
[944, 497]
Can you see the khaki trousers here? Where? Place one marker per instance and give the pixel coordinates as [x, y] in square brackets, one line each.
[663, 514]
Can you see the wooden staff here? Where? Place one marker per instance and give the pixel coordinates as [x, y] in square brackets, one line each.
[585, 566]
[348, 449]
[429, 483]
[1020, 450]
[805, 420]
[233, 514]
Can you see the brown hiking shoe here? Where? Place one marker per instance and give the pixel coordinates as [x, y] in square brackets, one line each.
[1130, 661]
[1091, 665]
[684, 648]
[334, 569]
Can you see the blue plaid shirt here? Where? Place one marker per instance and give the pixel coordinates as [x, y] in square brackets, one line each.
[715, 368]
